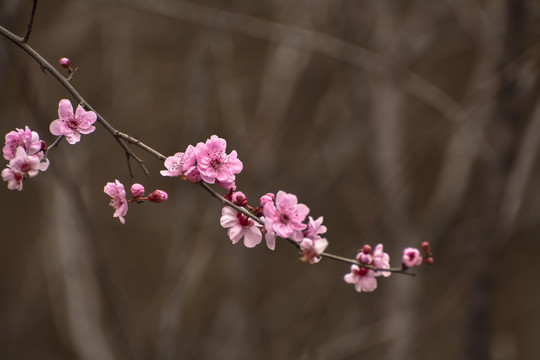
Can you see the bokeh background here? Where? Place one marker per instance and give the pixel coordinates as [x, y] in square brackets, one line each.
[398, 121]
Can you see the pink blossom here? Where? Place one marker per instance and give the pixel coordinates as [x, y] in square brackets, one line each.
[158, 196]
[215, 165]
[118, 199]
[284, 218]
[312, 249]
[314, 228]
[72, 126]
[239, 226]
[412, 257]
[362, 278]
[137, 190]
[20, 166]
[183, 164]
[13, 178]
[27, 139]
[27, 164]
[381, 260]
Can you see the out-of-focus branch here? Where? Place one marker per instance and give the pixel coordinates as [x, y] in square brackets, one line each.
[30, 22]
[305, 40]
[466, 141]
[517, 180]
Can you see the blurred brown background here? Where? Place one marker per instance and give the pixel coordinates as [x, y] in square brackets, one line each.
[398, 121]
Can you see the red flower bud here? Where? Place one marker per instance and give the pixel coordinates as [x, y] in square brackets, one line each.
[158, 196]
[65, 62]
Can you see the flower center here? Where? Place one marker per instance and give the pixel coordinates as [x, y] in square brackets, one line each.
[285, 218]
[244, 220]
[217, 161]
[26, 167]
[73, 123]
[115, 203]
[362, 271]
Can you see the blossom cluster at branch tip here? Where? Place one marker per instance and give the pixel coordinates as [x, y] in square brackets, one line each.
[207, 161]
[364, 278]
[120, 202]
[411, 257]
[26, 155]
[72, 125]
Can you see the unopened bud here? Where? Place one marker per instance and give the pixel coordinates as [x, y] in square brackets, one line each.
[366, 249]
[158, 196]
[43, 146]
[426, 248]
[240, 199]
[137, 190]
[268, 197]
[65, 62]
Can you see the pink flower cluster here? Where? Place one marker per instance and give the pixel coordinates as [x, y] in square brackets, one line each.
[363, 277]
[120, 202]
[26, 155]
[26, 152]
[283, 216]
[208, 162]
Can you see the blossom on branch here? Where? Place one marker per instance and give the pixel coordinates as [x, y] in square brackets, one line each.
[362, 278]
[183, 164]
[312, 249]
[13, 178]
[239, 226]
[381, 260]
[118, 199]
[314, 228]
[412, 257]
[21, 166]
[72, 125]
[215, 165]
[284, 218]
[27, 139]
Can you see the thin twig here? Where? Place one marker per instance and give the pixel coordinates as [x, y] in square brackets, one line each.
[46, 66]
[53, 145]
[30, 22]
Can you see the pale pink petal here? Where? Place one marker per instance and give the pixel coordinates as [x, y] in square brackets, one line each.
[235, 233]
[367, 283]
[270, 240]
[73, 138]
[56, 127]
[88, 117]
[65, 110]
[228, 217]
[87, 130]
[252, 237]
